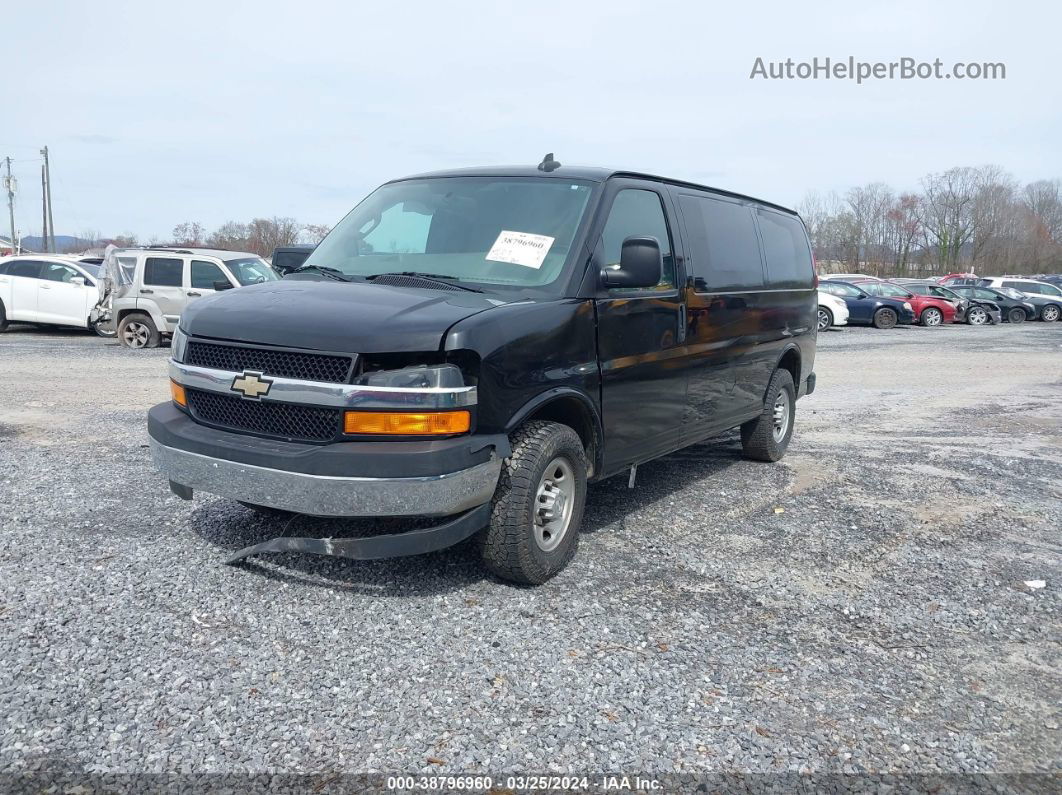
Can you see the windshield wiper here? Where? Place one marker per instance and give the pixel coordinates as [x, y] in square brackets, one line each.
[330, 273]
[441, 278]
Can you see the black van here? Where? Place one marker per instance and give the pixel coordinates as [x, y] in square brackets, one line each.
[476, 346]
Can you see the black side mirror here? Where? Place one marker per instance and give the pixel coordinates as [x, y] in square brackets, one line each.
[862, 295]
[640, 265]
[223, 285]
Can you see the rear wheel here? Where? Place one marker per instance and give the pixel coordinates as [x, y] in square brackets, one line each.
[977, 316]
[766, 438]
[137, 330]
[932, 317]
[885, 318]
[1050, 313]
[825, 318]
[1016, 315]
[538, 506]
[3, 318]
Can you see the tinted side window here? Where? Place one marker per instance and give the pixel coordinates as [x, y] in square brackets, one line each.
[788, 254]
[724, 251]
[25, 268]
[163, 272]
[638, 213]
[54, 272]
[204, 274]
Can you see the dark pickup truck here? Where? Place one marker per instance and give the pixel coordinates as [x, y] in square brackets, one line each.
[479, 345]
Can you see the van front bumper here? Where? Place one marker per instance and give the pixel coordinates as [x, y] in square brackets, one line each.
[345, 479]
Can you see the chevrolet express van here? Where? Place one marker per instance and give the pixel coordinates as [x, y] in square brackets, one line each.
[478, 346]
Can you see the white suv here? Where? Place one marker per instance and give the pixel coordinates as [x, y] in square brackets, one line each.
[160, 282]
[44, 288]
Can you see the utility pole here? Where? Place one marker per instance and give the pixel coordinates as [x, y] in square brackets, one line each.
[44, 209]
[9, 183]
[48, 198]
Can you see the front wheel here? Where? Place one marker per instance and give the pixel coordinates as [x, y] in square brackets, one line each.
[538, 506]
[977, 316]
[1050, 313]
[103, 328]
[766, 438]
[932, 317]
[1016, 315]
[3, 318]
[825, 318]
[885, 318]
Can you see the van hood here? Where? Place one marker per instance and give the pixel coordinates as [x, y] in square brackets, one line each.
[346, 317]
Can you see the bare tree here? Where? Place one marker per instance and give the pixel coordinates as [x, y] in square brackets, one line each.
[948, 214]
[189, 233]
[314, 233]
[265, 234]
[232, 236]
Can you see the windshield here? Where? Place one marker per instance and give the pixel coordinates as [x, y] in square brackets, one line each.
[837, 288]
[1010, 292]
[252, 270]
[504, 231]
[889, 290]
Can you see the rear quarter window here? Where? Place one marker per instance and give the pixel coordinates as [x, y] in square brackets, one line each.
[724, 251]
[163, 272]
[785, 244]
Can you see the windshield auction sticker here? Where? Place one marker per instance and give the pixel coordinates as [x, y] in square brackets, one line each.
[520, 248]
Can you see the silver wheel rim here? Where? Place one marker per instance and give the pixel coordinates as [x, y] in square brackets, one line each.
[1050, 314]
[781, 415]
[824, 319]
[978, 317]
[136, 335]
[554, 503]
[932, 317]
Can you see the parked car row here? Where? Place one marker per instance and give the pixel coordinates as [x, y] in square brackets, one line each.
[956, 298]
[156, 286]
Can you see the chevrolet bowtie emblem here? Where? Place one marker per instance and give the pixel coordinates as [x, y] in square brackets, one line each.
[251, 384]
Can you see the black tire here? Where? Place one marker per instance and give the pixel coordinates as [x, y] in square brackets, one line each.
[1016, 315]
[931, 316]
[759, 439]
[825, 318]
[509, 545]
[3, 318]
[886, 318]
[1050, 313]
[106, 329]
[137, 331]
[265, 510]
[977, 316]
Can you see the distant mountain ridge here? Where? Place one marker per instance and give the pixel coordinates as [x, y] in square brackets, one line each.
[62, 243]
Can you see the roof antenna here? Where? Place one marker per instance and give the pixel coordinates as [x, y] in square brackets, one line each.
[548, 163]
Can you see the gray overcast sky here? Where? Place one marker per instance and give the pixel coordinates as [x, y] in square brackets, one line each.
[161, 113]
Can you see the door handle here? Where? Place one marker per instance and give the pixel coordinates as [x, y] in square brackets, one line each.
[147, 292]
[194, 295]
[46, 287]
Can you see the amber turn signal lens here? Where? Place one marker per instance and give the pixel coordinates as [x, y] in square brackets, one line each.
[177, 393]
[435, 423]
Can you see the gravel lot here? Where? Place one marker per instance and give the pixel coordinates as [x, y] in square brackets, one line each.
[860, 606]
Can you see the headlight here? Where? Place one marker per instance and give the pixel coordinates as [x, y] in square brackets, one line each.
[420, 377]
[907, 306]
[179, 345]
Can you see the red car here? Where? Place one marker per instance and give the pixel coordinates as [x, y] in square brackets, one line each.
[928, 310]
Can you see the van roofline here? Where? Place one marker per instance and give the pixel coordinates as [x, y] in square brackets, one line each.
[588, 173]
